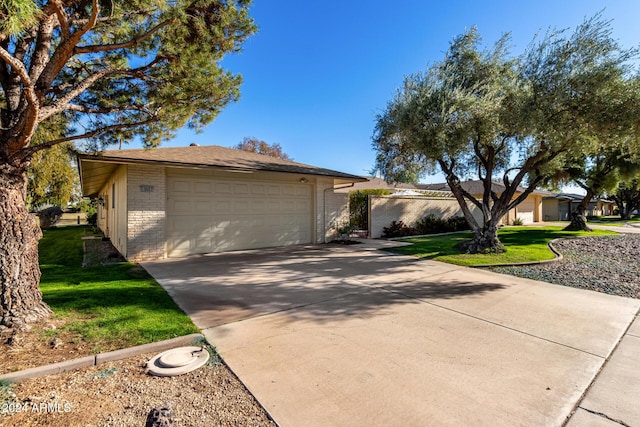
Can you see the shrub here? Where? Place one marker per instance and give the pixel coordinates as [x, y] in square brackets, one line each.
[49, 216]
[517, 221]
[458, 223]
[344, 229]
[432, 224]
[92, 219]
[398, 229]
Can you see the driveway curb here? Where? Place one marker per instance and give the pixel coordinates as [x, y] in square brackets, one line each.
[97, 359]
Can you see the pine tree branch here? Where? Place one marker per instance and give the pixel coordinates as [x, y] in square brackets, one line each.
[29, 119]
[123, 45]
[64, 50]
[91, 134]
[65, 101]
[104, 110]
[40, 56]
[63, 18]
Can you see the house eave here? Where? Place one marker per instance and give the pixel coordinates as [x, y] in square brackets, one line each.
[91, 184]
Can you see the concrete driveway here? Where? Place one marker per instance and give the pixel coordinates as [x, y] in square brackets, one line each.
[327, 336]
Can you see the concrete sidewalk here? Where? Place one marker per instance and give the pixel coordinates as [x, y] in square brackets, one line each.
[613, 398]
[327, 335]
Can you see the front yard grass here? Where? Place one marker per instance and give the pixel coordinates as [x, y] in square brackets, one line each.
[614, 221]
[108, 306]
[524, 244]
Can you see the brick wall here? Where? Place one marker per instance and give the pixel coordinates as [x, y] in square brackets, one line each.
[146, 218]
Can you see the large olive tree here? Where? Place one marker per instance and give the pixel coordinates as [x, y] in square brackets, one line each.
[114, 70]
[486, 114]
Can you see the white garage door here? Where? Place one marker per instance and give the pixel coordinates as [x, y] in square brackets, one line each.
[525, 211]
[214, 215]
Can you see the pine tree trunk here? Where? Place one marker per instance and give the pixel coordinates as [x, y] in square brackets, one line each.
[20, 297]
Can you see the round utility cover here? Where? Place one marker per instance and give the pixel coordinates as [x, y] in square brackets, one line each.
[177, 361]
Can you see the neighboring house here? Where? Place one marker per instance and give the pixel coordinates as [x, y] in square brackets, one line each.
[173, 202]
[529, 211]
[558, 207]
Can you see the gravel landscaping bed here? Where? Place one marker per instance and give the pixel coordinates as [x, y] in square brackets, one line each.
[609, 264]
[121, 394]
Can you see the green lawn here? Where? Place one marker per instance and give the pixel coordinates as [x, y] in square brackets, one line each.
[524, 244]
[613, 221]
[108, 307]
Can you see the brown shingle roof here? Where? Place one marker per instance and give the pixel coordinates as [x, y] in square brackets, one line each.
[214, 156]
[207, 156]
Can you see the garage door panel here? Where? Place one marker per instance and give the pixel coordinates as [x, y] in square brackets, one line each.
[180, 186]
[258, 206]
[202, 243]
[215, 215]
[223, 188]
[180, 206]
[258, 189]
[286, 190]
[304, 191]
[179, 226]
[241, 206]
[273, 207]
[202, 207]
[525, 211]
[201, 187]
[221, 207]
[274, 190]
[241, 189]
[303, 206]
[288, 206]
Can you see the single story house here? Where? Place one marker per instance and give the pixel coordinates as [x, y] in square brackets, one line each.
[528, 211]
[558, 207]
[179, 201]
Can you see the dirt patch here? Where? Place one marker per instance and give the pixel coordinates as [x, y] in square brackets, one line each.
[100, 251]
[122, 394]
[34, 348]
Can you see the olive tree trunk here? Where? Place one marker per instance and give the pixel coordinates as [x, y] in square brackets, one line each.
[578, 217]
[485, 240]
[20, 297]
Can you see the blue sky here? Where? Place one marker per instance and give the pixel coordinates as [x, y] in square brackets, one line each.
[316, 73]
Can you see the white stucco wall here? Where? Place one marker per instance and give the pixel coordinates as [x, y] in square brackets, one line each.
[337, 212]
[383, 210]
[112, 216]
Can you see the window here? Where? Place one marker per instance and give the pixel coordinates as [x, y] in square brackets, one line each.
[113, 195]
